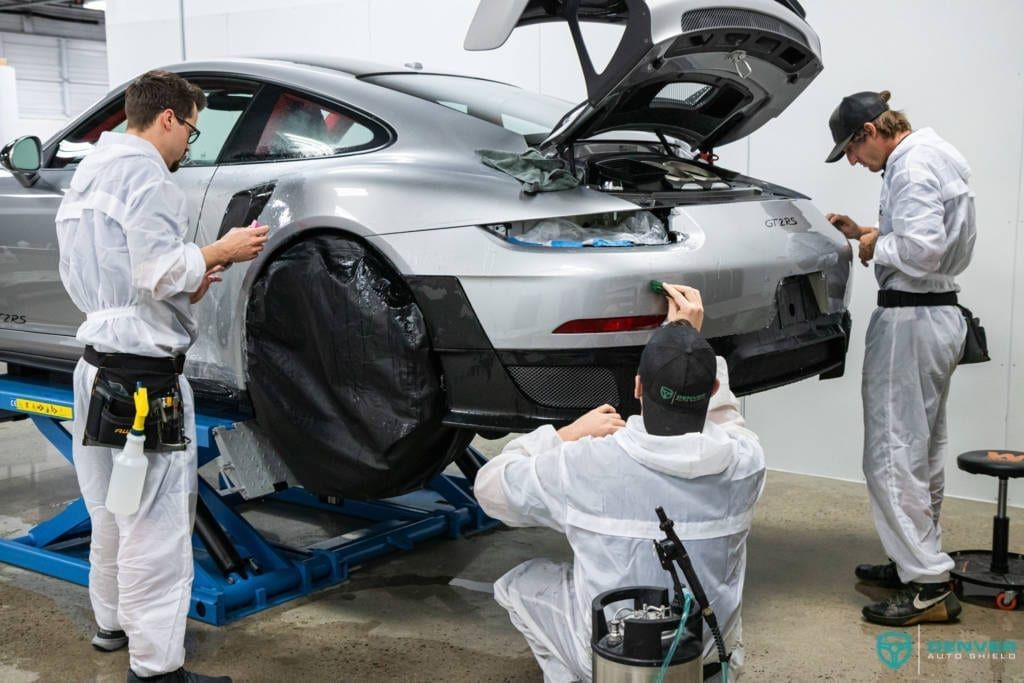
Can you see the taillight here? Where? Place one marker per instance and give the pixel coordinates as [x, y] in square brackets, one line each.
[629, 323]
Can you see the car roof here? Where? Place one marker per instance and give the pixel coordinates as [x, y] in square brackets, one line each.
[346, 67]
[349, 65]
[361, 67]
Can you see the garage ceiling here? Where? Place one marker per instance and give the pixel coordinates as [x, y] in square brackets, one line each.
[60, 18]
[58, 52]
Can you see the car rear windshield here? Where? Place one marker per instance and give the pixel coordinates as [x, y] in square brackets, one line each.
[512, 108]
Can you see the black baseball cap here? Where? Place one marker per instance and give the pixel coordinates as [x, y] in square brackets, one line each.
[850, 116]
[677, 371]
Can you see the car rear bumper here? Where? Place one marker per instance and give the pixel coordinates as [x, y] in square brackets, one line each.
[522, 295]
[500, 390]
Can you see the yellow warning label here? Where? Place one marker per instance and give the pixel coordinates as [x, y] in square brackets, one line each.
[41, 408]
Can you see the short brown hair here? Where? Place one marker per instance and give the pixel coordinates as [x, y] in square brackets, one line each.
[155, 91]
[889, 123]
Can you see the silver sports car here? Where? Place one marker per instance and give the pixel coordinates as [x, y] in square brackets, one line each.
[412, 295]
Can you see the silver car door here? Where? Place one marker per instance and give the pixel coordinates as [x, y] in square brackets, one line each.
[30, 288]
[283, 137]
[32, 298]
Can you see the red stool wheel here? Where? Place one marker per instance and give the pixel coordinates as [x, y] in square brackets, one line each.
[1003, 603]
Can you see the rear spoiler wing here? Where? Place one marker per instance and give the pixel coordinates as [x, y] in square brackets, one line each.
[495, 20]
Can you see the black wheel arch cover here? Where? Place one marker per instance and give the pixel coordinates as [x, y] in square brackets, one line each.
[341, 372]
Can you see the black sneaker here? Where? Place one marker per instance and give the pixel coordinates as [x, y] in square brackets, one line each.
[108, 641]
[917, 604]
[179, 676]
[884, 575]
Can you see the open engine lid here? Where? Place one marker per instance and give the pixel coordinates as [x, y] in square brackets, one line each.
[693, 69]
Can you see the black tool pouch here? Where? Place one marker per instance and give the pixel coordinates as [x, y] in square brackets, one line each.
[112, 410]
[976, 344]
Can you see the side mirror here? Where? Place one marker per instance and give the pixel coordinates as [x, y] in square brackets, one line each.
[23, 158]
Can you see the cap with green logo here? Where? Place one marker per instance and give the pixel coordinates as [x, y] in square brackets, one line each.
[677, 371]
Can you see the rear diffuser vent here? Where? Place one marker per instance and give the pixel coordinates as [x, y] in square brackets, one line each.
[567, 386]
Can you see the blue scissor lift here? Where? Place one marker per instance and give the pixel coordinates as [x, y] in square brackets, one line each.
[242, 572]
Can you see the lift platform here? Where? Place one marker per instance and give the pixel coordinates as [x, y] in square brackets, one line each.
[238, 571]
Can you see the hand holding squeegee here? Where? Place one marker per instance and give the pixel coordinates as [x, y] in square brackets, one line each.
[684, 303]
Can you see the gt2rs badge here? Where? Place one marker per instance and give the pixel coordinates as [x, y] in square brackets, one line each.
[12, 319]
[780, 222]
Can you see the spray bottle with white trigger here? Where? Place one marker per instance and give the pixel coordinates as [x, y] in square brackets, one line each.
[129, 473]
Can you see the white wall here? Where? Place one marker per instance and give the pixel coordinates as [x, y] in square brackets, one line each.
[56, 78]
[955, 66]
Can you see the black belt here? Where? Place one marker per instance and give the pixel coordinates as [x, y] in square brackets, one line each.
[129, 361]
[890, 298]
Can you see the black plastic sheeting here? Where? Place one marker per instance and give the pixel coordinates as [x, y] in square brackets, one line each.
[341, 373]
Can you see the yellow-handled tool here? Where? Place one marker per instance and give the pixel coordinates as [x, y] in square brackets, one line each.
[141, 409]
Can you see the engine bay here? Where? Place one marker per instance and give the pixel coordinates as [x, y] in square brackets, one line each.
[656, 175]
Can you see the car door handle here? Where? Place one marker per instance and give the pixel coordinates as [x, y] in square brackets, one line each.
[245, 207]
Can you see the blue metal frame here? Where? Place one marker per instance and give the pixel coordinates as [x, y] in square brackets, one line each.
[59, 547]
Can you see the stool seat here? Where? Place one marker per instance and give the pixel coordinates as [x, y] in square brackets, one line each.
[994, 463]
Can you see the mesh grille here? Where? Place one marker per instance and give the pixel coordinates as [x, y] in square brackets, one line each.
[713, 19]
[566, 387]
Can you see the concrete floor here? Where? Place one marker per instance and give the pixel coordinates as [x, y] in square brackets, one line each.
[426, 615]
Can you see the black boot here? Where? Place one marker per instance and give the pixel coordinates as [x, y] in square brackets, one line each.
[884, 575]
[919, 603]
[179, 676]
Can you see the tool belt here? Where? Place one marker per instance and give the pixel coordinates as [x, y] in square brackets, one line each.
[976, 344]
[112, 407]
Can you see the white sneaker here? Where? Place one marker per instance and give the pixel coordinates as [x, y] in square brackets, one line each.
[108, 641]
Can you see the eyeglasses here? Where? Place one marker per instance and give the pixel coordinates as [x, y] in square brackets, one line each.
[193, 131]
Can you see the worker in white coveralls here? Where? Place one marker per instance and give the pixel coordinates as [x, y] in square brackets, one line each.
[599, 479]
[124, 262]
[924, 239]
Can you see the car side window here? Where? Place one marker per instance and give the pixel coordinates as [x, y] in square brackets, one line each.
[225, 103]
[77, 144]
[293, 126]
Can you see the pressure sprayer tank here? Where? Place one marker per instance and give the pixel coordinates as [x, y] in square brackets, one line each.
[632, 646]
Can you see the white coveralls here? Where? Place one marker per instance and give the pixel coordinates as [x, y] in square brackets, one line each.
[123, 261]
[927, 231]
[601, 493]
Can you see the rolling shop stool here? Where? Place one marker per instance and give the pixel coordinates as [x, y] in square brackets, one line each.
[997, 568]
